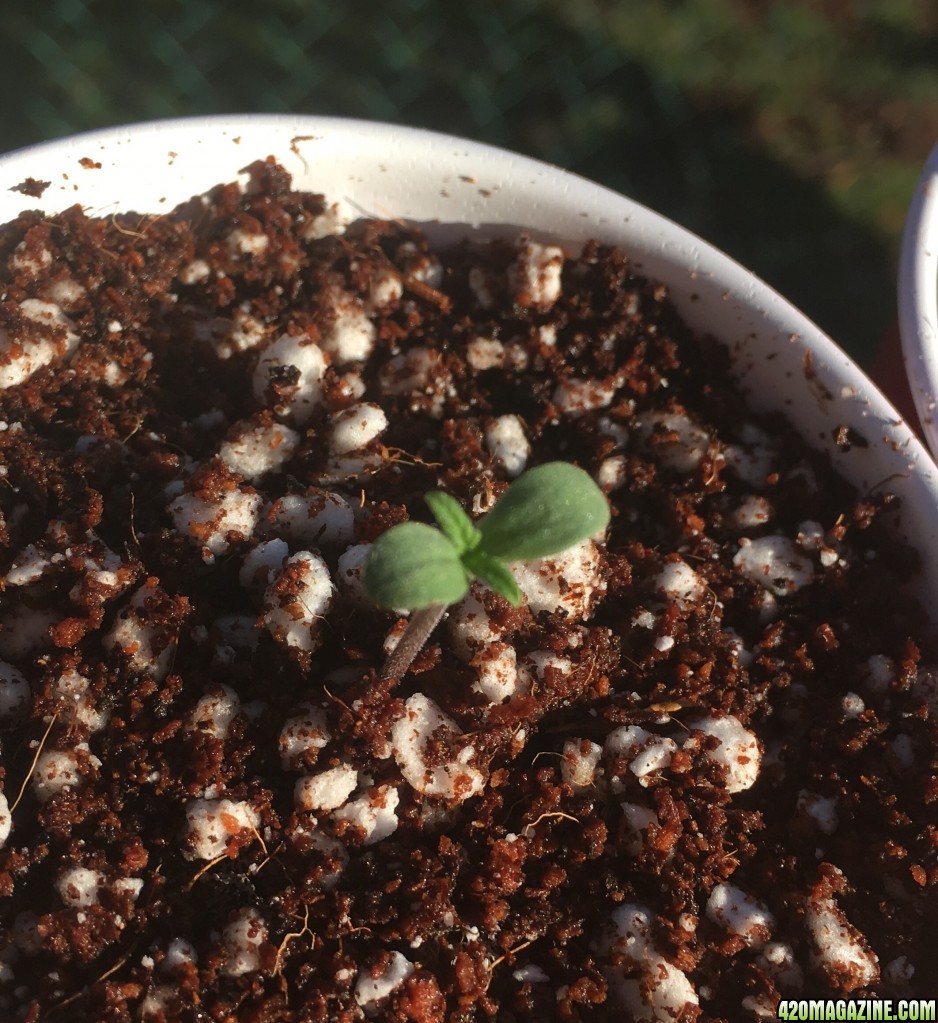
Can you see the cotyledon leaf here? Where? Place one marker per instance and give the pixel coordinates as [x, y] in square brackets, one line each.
[413, 566]
[545, 511]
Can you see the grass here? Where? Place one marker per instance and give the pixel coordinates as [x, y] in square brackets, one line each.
[788, 132]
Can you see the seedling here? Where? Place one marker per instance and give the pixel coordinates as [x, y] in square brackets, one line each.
[416, 567]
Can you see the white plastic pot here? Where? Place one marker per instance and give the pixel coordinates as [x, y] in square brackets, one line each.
[918, 298]
[450, 186]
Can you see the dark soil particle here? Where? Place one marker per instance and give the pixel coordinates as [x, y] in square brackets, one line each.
[694, 773]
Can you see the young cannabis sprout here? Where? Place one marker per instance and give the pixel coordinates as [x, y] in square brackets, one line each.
[416, 567]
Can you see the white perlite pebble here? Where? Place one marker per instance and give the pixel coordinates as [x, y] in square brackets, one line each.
[374, 814]
[259, 449]
[497, 665]
[371, 989]
[179, 952]
[753, 511]
[15, 693]
[739, 913]
[54, 337]
[298, 600]
[351, 386]
[304, 730]
[625, 740]
[903, 749]
[530, 973]
[26, 935]
[129, 886]
[675, 440]
[421, 266]
[613, 429]
[228, 337]
[838, 948]
[535, 277]
[246, 243]
[28, 566]
[160, 1000]
[297, 399]
[79, 886]
[775, 563]
[753, 459]
[779, 962]
[612, 473]
[743, 654]
[384, 288]
[655, 756]
[421, 723]
[261, 564]
[327, 790]
[760, 1006]
[768, 606]
[393, 637]
[212, 823]
[349, 571]
[56, 771]
[134, 637]
[484, 353]
[214, 712]
[576, 396]
[680, 583]
[412, 371]
[507, 443]
[637, 819]
[880, 673]
[356, 427]
[812, 539]
[480, 286]
[536, 664]
[578, 766]
[6, 820]
[810, 536]
[347, 469]
[899, 970]
[194, 272]
[26, 259]
[315, 519]
[351, 336]
[245, 332]
[469, 626]
[568, 581]
[332, 221]
[645, 752]
[738, 751]
[243, 938]
[106, 575]
[821, 809]
[65, 292]
[213, 524]
[662, 993]
[852, 705]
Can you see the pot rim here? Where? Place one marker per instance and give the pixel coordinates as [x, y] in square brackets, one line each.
[918, 297]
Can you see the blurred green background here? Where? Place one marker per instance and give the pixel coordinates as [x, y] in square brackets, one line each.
[788, 132]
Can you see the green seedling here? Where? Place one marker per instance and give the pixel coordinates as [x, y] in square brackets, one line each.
[416, 567]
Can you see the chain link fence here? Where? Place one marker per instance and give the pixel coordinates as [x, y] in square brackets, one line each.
[670, 101]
